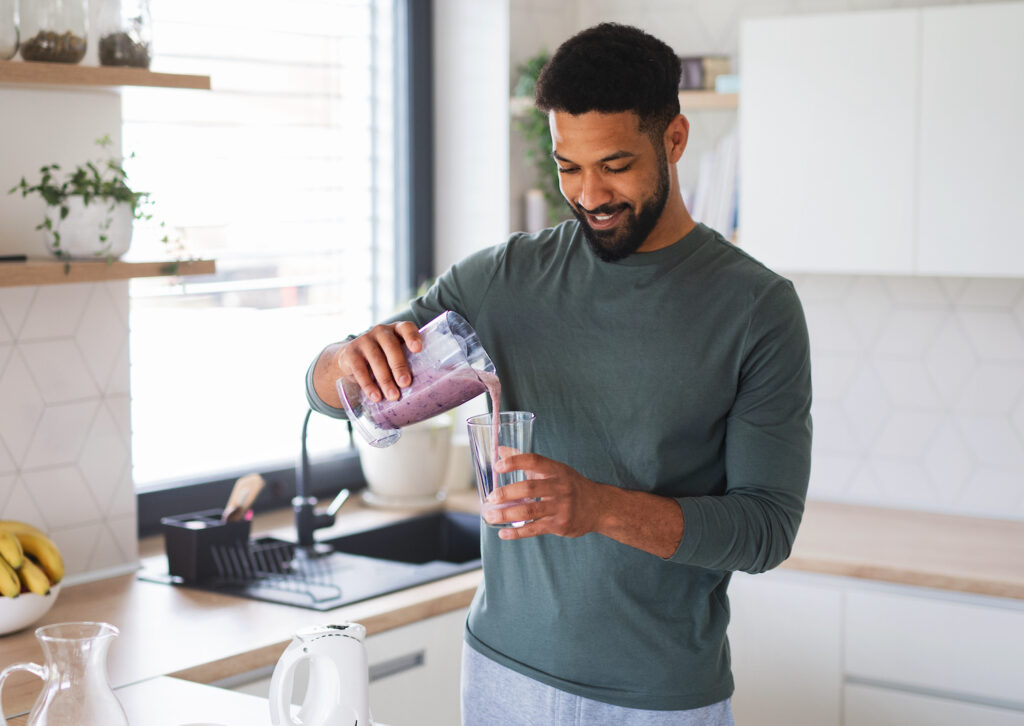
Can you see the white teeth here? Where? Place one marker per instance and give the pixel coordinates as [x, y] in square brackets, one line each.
[603, 217]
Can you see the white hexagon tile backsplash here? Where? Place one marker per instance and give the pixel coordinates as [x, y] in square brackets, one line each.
[65, 443]
[918, 392]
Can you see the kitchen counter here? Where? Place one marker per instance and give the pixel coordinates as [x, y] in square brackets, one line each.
[204, 637]
[182, 703]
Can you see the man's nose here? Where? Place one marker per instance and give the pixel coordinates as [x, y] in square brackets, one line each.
[593, 192]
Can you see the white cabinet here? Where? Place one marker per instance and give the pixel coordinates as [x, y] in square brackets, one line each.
[827, 131]
[872, 706]
[784, 638]
[973, 647]
[824, 650]
[971, 153]
[884, 142]
[415, 672]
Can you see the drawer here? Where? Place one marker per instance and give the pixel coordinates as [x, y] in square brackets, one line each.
[969, 646]
[870, 706]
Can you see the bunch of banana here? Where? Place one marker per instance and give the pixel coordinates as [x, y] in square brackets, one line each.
[29, 560]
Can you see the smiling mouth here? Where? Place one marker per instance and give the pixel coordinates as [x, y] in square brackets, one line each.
[604, 221]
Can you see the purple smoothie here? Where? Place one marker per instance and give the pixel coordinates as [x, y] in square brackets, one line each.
[432, 392]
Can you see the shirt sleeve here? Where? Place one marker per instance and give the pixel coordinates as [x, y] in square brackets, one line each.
[460, 289]
[767, 449]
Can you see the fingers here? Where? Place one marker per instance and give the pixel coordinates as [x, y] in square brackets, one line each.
[410, 335]
[377, 360]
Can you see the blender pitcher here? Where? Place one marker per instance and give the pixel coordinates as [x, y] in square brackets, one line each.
[450, 369]
[75, 687]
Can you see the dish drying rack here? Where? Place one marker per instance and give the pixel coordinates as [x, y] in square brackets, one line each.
[272, 564]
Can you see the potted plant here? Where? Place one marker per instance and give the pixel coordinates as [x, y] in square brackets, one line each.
[90, 211]
[533, 125]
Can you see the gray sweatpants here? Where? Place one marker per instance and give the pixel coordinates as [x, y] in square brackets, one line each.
[493, 695]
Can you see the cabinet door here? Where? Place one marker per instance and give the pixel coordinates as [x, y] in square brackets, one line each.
[415, 672]
[869, 706]
[972, 149]
[964, 645]
[785, 643]
[827, 141]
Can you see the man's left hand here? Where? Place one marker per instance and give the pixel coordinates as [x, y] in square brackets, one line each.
[559, 500]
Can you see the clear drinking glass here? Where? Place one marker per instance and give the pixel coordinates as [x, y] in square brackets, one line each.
[489, 443]
[54, 31]
[450, 369]
[75, 687]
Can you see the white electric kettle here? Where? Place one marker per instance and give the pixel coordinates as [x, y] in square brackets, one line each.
[338, 691]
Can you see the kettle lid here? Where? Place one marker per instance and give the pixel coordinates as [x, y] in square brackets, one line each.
[356, 631]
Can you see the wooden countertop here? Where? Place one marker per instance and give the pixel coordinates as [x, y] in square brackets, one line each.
[966, 554]
[204, 637]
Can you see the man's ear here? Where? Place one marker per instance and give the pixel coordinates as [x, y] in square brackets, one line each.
[676, 136]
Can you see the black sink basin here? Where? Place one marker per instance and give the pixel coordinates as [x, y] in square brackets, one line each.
[440, 536]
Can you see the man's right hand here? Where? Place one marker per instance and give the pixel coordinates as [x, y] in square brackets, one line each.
[377, 360]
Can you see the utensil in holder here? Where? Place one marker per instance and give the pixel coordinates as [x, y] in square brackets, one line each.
[190, 538]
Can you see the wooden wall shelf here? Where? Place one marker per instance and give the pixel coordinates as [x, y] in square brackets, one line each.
[688, 101]
[66, 74]
[56, 272]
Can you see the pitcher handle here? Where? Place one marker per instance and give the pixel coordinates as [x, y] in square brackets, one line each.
[33, 668]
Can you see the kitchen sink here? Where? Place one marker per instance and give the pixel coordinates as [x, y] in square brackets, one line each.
[440, 537]
[361, 565]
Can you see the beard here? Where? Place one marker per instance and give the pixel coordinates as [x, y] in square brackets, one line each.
[615, 244]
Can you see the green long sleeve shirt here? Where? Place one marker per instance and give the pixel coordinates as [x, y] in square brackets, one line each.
[683, 372]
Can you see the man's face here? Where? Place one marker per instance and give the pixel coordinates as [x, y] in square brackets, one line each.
[613, 177]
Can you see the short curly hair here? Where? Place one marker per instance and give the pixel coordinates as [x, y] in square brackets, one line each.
[611, 68]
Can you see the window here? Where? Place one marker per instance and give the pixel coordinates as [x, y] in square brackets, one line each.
[285, 175]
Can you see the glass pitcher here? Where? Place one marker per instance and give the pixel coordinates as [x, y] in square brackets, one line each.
[75, 687]
[450, 369]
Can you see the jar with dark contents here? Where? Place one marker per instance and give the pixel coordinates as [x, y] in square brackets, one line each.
[8, 29]
[54, 31]
[125, 32]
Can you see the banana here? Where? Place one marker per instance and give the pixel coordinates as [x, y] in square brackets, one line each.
[15, 527]
[10, 585]
[42, 549]
[33, 578]
[10, 549]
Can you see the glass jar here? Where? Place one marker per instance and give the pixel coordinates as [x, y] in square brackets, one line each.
[125, 33]
[8, 29]
[54, 31]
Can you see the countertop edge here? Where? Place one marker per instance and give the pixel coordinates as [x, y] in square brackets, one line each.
[444, 596]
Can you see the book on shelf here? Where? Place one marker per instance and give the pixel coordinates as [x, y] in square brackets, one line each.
[700, 72]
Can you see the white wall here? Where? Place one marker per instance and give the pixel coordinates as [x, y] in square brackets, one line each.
[65, 444]
[471, 127]
[919, 382]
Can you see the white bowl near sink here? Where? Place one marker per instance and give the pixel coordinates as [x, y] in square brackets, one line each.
[411, 472]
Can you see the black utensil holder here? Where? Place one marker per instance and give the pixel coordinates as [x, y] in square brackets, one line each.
[190, 538]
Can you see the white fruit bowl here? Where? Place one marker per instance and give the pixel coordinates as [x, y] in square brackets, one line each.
[20, 612]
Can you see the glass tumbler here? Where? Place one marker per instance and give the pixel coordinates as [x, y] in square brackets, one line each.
[493, 439]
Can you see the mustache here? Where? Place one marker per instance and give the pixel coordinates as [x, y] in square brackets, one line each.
[603, 209]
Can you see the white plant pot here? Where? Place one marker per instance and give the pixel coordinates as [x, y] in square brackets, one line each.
[410, 472]
[82, 231]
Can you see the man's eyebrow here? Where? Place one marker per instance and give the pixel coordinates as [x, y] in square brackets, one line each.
[610, 157]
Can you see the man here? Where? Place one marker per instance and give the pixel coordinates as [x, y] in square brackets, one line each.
[669, 373]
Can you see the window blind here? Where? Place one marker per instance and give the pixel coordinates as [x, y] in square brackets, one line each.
[284, 174]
